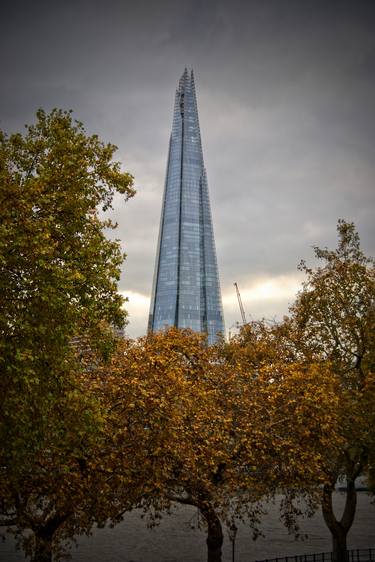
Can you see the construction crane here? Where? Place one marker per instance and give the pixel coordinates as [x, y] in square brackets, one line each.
[240, 304]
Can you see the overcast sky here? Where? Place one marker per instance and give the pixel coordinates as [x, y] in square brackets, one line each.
[286, 93]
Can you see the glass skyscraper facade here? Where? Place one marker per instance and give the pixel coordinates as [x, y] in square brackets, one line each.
[186, 288]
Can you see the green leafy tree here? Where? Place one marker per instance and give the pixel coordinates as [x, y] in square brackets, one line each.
[58, 285]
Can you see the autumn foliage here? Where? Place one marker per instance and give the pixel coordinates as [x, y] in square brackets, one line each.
[92, 426]
[199, 429]
[332, 326]
[58, 285]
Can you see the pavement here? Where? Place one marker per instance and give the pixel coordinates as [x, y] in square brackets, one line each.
[177, 538]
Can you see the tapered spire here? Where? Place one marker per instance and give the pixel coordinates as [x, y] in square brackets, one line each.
[186, 289]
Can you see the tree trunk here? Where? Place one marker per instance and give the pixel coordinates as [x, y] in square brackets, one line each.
[44, 534]
[339, 529]
[339, 547]
[214, 533]
[43, 549]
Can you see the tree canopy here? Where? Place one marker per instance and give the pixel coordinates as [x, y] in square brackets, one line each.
[58, 281]
[91, 426]
[333, 322]
[331, 325]
[199, 429]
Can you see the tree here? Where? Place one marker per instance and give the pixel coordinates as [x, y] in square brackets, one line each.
[202, 430]
[331, 325]
[58, 281]
[333, 322]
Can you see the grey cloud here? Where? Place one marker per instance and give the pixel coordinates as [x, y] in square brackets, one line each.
[285, 95]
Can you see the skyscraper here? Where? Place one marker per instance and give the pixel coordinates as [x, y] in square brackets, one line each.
[186, 289]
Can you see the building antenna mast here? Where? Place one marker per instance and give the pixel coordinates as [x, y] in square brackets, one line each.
[244, 321]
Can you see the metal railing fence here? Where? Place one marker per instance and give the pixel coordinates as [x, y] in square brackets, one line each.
[357, 555]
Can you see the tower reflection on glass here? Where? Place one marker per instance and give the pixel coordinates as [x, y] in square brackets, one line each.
[186, 288]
